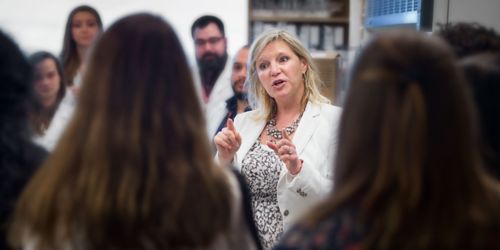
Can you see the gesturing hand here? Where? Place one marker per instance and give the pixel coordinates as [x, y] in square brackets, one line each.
[287, 152]
[227, 142]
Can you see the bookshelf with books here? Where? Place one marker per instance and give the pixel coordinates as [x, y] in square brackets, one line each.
[321, 25]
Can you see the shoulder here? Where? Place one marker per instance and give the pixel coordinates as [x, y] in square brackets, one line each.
[335, 232]
[252, 115]
[325, 111]
[330, 110]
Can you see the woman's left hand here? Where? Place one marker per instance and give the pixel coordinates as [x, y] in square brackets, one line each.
[287, 152]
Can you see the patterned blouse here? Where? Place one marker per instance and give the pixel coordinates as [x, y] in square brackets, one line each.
[261, 169]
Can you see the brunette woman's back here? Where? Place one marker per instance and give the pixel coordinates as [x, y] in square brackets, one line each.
[408, 170]
[134, 169]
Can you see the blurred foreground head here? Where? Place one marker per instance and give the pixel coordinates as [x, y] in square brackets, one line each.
[408, 160]
[136, 150]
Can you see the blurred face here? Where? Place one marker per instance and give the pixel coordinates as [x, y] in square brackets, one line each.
[280, 71]
[84, 28]
[210, 45]
[47, 79]
[239, 71]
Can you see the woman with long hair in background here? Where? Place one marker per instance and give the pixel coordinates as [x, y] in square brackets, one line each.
[49, 89]
[82, 28]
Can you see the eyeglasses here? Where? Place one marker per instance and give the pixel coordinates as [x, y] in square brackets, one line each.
[211, 41]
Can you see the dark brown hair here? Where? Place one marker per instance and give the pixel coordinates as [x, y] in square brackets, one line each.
[69, 54]
[467, 39]
[483, 75]
[134, 168]
[407, 159]
[41, 117]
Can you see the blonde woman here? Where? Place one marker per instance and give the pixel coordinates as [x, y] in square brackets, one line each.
[284, 146]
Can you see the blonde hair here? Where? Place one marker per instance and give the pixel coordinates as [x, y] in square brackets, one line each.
[257, 95]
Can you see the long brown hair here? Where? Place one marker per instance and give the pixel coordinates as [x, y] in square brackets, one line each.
[407, 159]
[69, 55]
[134, 168]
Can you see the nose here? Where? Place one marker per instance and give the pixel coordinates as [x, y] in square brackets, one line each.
[243, 72]
[44, 81]
[274, 69]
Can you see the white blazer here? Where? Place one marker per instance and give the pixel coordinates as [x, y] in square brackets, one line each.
[316, 141]
[215, 108]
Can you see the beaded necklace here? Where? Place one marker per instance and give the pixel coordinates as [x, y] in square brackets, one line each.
[275, 133]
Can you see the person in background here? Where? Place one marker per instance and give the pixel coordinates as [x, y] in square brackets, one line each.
[82, 29]
[212, 74]
[19, 156]
[478, 47]
[49, 89]
[125, 171]
[408, 173]
[483, 74]
[283, 147]
[238, 103]
[467, 39]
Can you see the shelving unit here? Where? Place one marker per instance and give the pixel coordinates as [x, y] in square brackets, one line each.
[321, 25]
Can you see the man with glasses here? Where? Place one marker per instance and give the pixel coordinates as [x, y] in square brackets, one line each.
[212, 75]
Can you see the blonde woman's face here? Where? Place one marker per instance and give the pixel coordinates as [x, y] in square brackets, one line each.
[84, 28]
[280, 71]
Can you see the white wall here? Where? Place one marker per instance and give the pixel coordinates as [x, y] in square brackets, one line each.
[484, 12]
[39, 24]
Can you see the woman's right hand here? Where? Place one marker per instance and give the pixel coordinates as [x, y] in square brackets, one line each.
[227, 142]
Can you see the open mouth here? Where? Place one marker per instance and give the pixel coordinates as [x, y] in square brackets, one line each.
[278, 82]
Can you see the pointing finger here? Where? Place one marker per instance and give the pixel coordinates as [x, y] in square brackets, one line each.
[230, 125]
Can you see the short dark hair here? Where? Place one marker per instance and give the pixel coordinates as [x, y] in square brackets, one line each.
[483, 74]
[467, 39]
[203, 21]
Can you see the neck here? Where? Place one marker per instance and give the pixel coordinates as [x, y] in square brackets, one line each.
[82, 53]
[49, 102]
[289, 105]
[241, 105]
[287, 113]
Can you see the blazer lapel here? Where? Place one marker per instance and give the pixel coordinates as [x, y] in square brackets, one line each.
[251, 132]
[307, 126]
